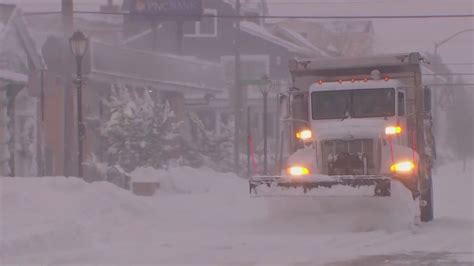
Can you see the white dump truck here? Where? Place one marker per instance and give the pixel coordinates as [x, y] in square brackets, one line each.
[354, 123]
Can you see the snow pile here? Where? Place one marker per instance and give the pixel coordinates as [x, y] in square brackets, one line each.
[46, 214]
[187, 180]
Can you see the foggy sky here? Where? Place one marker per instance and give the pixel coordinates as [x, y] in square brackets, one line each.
[391, 35]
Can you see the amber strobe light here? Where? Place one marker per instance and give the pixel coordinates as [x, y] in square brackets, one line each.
[298, 171]
[304, 134]
[393, 130]
[405, 167]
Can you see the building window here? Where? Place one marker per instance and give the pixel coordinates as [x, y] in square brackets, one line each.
[206, 27]
[253, 67]
[278, 60]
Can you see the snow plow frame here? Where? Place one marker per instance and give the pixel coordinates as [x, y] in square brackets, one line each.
[382, 183]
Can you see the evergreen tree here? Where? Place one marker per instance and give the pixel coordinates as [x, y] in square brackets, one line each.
[141, 131]
[216, 148]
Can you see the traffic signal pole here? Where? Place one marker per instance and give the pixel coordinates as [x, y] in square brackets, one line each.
[67, 8]
[238, 91]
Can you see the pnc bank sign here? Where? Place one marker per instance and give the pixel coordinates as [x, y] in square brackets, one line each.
[168, 7]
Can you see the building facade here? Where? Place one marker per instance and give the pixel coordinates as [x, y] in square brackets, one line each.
[20, 123]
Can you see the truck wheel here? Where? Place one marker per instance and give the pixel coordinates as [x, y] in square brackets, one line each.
[426, 201]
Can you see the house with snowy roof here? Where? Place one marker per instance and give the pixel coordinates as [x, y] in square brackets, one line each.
[113, 70]
[212, 38]
[109, 64]
[20, 63]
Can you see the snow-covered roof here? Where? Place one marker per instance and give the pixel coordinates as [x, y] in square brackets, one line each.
[105, 19]
[297, 39]
[158, 68]
[347, 26]
[18, 53]
[261, 32]
[250, 5]
[13, 76]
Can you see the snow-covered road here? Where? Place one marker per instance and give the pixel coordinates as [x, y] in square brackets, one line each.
[204, 218]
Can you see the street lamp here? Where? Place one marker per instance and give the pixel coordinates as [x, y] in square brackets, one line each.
[445, 92]
[79, 44]
[438, 44]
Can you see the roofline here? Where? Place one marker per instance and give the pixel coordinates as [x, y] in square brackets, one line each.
[17, 21]
[309, 45]
[284, 43]
[96, 75]
[177, 57]
[28, 42]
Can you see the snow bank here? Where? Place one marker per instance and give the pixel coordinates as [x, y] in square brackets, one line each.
[45, 214]
[43, 217]
[187, 180]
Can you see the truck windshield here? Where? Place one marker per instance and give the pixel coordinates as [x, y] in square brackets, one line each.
[353, 103]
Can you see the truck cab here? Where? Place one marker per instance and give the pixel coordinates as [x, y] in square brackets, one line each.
[348, 124]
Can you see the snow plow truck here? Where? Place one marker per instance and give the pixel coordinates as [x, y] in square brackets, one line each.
[354, 123]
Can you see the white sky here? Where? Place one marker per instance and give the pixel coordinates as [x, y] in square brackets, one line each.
[391, 35]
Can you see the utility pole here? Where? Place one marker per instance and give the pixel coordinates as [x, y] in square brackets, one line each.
[238, 92]
[180, 36]
[67, 21]
[67, 18]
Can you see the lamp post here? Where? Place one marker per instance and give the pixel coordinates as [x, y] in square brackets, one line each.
[79, 44]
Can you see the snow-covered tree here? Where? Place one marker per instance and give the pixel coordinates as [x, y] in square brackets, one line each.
[216, 148]
[141, 131]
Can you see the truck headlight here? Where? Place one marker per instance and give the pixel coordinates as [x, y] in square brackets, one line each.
[405, 167]
[393, 130]
[305, 134]
[298, 171]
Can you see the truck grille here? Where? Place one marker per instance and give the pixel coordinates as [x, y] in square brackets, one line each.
[348, 157]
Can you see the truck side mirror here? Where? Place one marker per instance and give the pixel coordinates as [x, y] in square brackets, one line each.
[427, 99]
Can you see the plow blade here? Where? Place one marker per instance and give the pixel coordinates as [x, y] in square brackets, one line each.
[265, 186]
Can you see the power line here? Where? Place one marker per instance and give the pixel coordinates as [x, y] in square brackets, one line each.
[450, 74]
[330, 3]
[451, 85]
[453, 64]
[431, 16]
